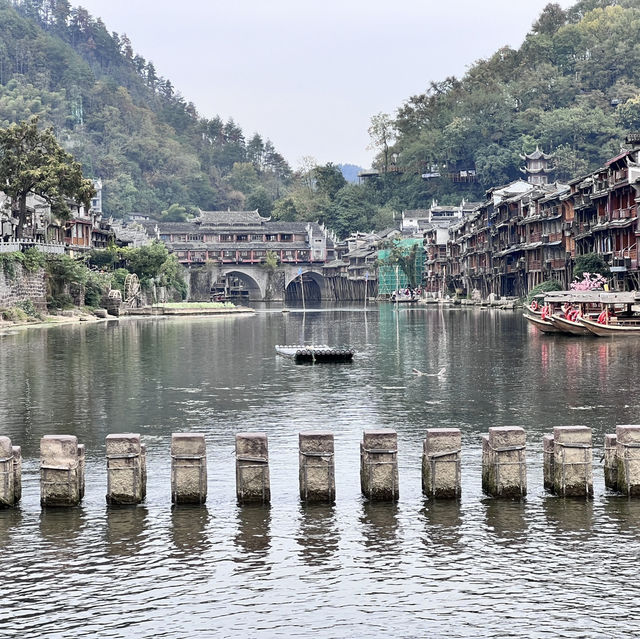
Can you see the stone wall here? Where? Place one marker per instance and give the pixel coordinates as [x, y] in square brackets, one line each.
[19, 285]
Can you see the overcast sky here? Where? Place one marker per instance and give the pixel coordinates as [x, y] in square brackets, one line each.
[309, 74]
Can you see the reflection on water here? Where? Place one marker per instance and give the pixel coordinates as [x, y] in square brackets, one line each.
[476, 567]
[317, 533]
[125, 530]
[189, 528]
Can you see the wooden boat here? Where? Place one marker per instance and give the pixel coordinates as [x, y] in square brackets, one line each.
[614, 326]
[573, 327]
[315, 354]
[402, 297]
[542, 323]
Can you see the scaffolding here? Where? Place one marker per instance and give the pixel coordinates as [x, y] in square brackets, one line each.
[391, 278]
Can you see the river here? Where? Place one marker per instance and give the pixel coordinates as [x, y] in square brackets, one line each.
[542, 567]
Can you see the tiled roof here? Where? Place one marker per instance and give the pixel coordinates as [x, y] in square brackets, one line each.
[235, 218]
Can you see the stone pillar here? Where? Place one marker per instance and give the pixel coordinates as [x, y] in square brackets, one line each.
[610, 462]
[81, 468]
[504, 470]
[59, 471]
[188, 468]
[317, 470]
[572, 461]
[379, 464]
[441, 463]
[17, 473]
[7, 483]
[252, 468]
[628, 459]
[143, 462]
[547, 461]
[124, 469]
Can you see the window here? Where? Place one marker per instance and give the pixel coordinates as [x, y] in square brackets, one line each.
[286, 237]
[226, 238]
[271, 238]
[242, 238]
[257, 238]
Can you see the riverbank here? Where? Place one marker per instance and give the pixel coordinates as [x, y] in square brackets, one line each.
[78, 315]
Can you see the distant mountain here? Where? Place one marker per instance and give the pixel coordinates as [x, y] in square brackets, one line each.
[350, 172]
[124, 122]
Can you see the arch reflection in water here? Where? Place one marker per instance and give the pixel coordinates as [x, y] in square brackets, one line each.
[318, 533]
[253, 538]
[125, 531]
[506, 518]
[189, 528]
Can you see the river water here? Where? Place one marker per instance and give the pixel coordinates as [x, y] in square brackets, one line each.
[543, 567]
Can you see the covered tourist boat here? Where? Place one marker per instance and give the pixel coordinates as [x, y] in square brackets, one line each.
[620, 316]
[315, 354]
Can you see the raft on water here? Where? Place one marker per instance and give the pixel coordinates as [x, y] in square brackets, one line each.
[315, 354]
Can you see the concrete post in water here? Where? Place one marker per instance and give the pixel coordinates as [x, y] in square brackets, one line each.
[610, 462]
[628, 459]
[504, 471]
[252, 468]
[572, 461]
[143, 462]
[547, 461]
[7, 483]
[124, 469]
[59, 471]
[17, 473]
[379, 464]
[441, 463]
[81, 468]
[317, 469]
[188, 468]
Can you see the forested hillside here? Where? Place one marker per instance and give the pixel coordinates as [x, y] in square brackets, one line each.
[124, 122]
[573, 88]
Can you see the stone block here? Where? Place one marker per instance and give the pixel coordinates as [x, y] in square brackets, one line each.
[59, 471]
[316, 466]
[125, 484]
[188, 468]
[572, 461]
[547, 461]
[7, 492]
[17, 473]
[379, 465]
[610, 462]
[628, 459]
[504, 470]
[441, 463]
[252, 468]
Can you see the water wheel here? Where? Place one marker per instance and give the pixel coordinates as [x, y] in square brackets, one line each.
[132, 290]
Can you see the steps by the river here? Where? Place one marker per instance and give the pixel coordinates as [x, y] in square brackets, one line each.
[567, 466]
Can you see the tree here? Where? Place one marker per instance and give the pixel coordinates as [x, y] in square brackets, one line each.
[382, 135]
[592, 263]
[329, 179]
[32, 161]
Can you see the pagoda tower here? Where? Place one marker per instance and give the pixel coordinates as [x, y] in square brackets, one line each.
[537, 167]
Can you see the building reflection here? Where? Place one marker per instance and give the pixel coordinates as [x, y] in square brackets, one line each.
[622, 512]
[189, 528]
[318, 534]
[126, 527]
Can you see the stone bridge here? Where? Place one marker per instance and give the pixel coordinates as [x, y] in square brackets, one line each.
[261, 284]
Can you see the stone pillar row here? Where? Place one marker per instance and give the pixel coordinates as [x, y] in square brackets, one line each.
[567, 466]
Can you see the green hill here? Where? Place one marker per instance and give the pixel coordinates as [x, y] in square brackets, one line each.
[124, 122]
[573, 88]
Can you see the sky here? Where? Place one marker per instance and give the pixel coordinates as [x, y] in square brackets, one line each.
[309, 74]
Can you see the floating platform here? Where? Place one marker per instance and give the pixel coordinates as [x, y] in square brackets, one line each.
[315, 354]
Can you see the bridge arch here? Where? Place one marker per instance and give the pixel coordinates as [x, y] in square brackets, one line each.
[240, 284]
[314, 286]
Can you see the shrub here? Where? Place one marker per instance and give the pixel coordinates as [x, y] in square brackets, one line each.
[544, 287]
